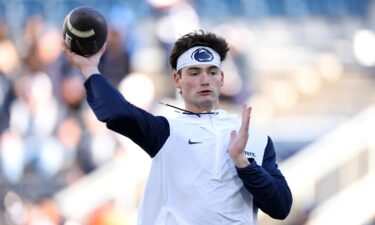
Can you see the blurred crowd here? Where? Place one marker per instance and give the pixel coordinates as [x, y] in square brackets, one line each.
[49, 138]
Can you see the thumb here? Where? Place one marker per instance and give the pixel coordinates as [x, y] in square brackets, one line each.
[96, 57]
[233, 135]
[104, 47]
[102, 50]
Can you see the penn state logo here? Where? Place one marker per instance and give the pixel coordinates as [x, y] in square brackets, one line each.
[202, 55]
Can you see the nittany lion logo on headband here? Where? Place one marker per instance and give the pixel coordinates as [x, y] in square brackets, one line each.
[198, 55]
[202, 55]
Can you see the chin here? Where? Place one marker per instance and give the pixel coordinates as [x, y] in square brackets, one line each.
[207, 105]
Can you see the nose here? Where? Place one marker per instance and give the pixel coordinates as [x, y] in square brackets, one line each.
[204, 79]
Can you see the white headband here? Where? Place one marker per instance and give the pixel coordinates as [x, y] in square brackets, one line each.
[199, 55]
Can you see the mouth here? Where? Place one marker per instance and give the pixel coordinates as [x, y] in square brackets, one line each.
[205, 92]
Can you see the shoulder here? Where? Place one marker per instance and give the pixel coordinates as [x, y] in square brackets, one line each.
[257, 137]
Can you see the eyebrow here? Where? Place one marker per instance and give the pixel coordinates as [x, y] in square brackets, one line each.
[199, 68]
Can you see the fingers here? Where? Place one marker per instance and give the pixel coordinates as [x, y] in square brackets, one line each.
[63, 45]
[246, 114]
[69, 54]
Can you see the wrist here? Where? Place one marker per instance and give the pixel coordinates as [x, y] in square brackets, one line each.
[240, 161]
[88, 71]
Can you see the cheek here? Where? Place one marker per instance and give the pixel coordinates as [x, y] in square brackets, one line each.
[219, 83]
[189, 85]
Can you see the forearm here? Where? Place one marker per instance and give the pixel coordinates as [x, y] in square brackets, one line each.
[270, 193]
[267, 184]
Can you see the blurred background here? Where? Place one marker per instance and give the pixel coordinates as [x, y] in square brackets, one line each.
[306, 67]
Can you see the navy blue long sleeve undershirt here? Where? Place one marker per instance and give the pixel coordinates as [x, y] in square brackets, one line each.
[268, 186]
[146, 130]
[266, 183]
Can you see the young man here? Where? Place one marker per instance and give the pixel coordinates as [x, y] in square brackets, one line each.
[207, 168]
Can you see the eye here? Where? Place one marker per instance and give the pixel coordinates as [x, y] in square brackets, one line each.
[193, 74]
[214, 72]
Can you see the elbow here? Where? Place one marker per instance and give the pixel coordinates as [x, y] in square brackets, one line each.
[280, 215]
[283, 210]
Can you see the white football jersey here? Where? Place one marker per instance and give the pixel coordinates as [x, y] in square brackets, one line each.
[193, 180]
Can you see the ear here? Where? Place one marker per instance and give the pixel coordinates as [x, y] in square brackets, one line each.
[222, 79]
[176, 78]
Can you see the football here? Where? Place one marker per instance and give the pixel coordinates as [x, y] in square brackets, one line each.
[85, 31]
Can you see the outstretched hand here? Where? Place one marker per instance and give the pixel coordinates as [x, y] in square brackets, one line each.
[87, 65]
[237, 144]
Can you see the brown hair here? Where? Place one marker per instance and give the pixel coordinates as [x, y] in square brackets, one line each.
[198, 38]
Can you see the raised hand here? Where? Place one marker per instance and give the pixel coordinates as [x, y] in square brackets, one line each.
[87, 65]
[238, 141]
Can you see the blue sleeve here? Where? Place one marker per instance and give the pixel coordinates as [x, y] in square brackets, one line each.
[267, 185]
[146, 130]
